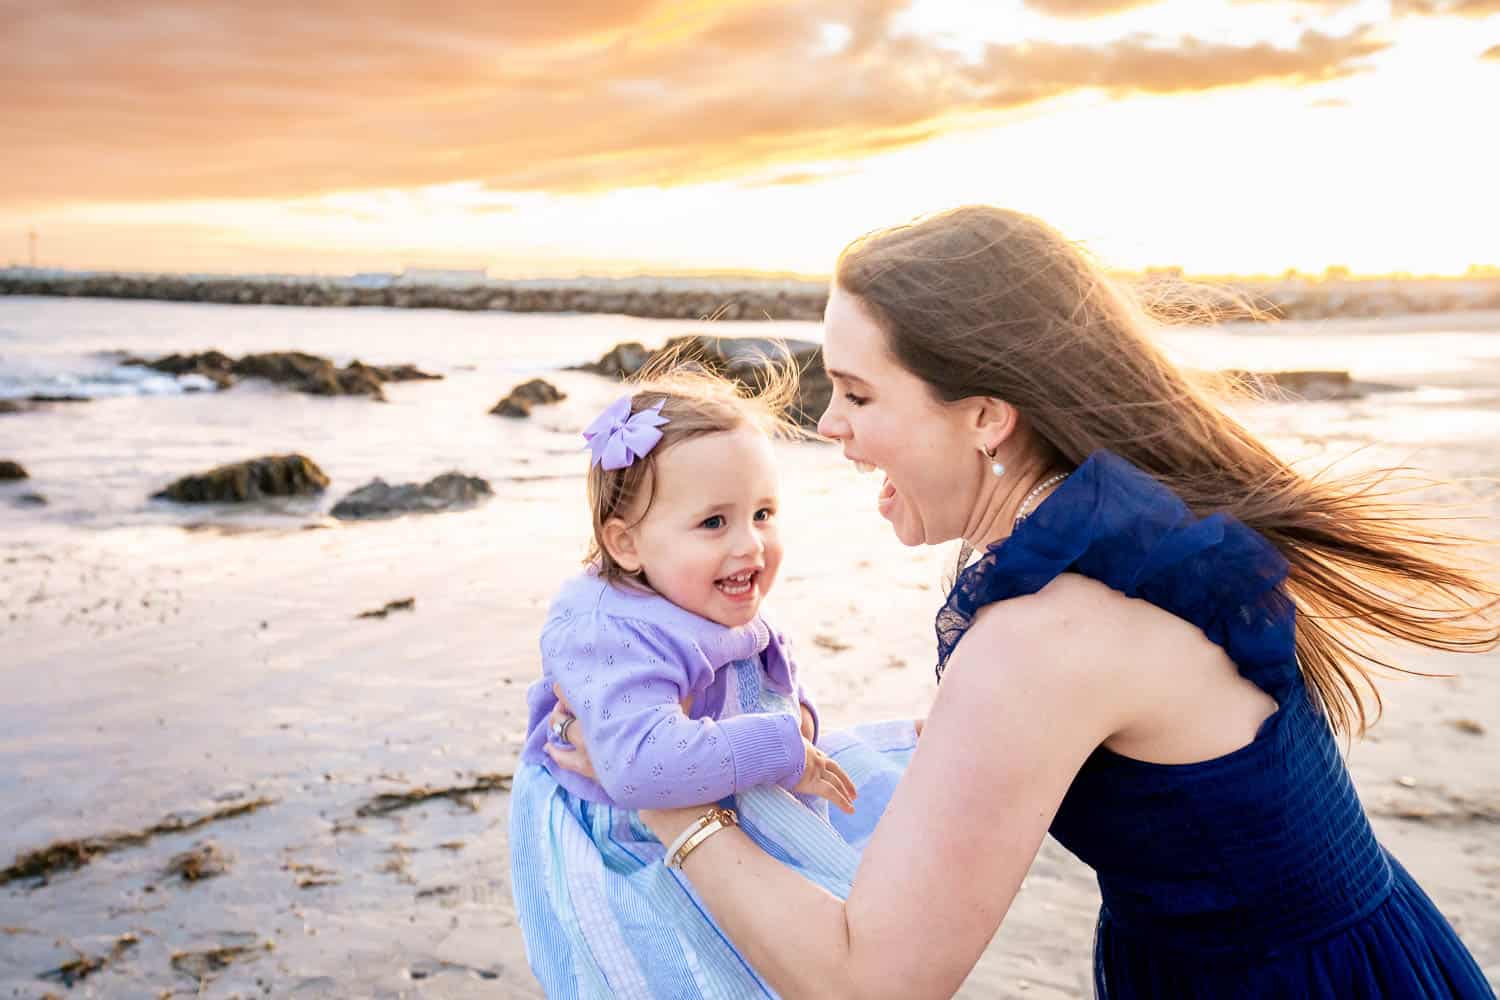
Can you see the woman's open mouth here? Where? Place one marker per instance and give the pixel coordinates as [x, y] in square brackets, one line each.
[887, 494]
[886, 498]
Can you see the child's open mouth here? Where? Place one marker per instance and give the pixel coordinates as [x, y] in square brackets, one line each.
[738, 586]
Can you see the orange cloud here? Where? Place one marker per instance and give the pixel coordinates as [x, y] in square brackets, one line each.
[220, 99]
[1491, 53]
[1086, 8]
[1438, 8]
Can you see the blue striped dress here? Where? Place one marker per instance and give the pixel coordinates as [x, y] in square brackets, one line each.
[603, 917]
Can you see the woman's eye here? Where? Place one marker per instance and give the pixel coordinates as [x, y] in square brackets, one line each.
[856, 400]
[714, 523]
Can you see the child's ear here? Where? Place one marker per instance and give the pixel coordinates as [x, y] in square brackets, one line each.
[619, 542]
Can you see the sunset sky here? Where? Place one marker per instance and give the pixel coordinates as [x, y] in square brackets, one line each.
[630, 136]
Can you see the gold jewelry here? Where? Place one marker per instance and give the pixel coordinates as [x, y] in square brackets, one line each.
[997, 467]
[710, 823]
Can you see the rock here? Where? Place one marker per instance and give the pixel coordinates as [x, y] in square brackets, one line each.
[14, 406]
[450, 491]
[10, 471]
[268, 476]
[30, 500]
[310, 374]
[397, 373]
[48, 397]
[403, 604]
[738, 358]
[1305, 386]
[206, 860]
[521, 399]
[215, 366]
[296, 370]
[620, 361]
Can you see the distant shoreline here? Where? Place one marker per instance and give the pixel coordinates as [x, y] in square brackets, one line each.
[723, 298]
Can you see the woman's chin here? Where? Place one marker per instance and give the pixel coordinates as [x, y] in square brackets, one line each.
[908, 532]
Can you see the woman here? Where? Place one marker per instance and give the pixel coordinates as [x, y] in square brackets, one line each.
[1151, 658]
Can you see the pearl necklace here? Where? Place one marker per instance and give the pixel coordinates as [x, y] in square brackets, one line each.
[1024, 511]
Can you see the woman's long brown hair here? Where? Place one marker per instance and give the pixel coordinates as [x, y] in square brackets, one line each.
[980, 301]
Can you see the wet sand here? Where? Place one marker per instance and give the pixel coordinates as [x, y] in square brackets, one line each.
[152, 671]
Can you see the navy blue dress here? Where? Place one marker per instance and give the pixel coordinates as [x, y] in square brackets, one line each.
[1255, 874]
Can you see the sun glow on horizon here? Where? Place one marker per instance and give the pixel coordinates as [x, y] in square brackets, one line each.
[1382, 169]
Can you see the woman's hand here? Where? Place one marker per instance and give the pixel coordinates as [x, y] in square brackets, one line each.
[577, 759]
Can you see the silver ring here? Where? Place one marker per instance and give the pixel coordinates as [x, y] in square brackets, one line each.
[560, 728]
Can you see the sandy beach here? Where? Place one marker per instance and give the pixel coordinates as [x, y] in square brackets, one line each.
[161, 662]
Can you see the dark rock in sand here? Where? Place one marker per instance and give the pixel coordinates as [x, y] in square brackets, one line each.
[10, 471]
[521, 400]
[30, 500]
[620, 361]
[403, 604]
[206, 860]
[450, 491]
[14, 406]
[268, 476]
[47, 397]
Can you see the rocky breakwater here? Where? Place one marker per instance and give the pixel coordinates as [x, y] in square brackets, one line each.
[307, 373]
[743, 359]
[749, 297]
[731, 298]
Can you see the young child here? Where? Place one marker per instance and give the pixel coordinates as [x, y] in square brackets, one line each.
[687, 696]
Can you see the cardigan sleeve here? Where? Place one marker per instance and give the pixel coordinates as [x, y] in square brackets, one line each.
[625, 681]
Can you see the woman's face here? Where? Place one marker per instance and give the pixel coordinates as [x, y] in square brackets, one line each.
[886, 418]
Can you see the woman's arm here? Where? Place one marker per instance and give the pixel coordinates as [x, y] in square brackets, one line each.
[1024, 701]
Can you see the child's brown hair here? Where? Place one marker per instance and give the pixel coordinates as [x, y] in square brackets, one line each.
[695, 401]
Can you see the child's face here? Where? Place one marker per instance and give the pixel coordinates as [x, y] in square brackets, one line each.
[709, 543]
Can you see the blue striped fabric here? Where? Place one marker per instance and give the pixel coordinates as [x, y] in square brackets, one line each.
[603, 917]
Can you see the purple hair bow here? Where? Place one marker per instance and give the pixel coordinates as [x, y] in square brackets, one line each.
[617, 437]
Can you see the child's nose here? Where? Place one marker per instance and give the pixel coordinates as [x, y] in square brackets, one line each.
[830, 425]
[748, 542]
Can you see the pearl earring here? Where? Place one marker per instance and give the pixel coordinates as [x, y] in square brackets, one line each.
[998, 468]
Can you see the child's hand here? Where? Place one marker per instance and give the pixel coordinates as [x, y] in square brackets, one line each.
[809, 729]
[825, 779]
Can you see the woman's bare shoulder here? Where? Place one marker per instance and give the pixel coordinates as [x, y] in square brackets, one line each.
[1088, 630]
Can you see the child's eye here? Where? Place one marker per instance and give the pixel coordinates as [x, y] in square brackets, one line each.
[714, 523]
[856, 400]
[764, 514]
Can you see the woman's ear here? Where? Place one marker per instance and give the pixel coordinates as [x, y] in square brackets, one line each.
[619, 542]
[995, 421]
